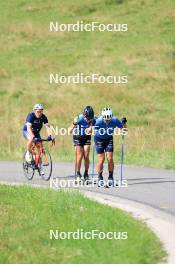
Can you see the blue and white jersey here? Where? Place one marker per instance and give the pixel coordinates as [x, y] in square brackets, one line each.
[105, 130]
[36, 123]
[81, 124]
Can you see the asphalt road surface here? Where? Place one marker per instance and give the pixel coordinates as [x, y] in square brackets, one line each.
[153, 187]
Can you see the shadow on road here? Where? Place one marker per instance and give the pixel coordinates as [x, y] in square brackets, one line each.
[140, 179]
[151, 182]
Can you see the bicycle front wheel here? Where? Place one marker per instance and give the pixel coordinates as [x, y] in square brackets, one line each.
[28, 168]
[45, 166]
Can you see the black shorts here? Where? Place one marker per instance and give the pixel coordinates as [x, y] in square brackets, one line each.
[104, 145]
[82, 141]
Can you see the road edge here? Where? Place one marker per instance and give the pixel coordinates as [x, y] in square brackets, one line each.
[162, 224]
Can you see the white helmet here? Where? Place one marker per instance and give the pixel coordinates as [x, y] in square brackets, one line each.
[38, 107]
[107, 113]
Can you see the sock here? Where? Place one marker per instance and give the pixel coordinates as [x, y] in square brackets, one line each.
[111, 174]
[86, 172]
[100, 174]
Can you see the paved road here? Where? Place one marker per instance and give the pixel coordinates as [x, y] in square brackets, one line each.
[145, 185]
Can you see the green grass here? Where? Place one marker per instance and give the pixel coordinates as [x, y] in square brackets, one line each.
[28, 214]
[29, 52]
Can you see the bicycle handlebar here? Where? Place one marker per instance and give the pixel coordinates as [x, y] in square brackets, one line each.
[46, 140]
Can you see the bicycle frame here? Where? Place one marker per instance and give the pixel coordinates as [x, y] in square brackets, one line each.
[37, 156]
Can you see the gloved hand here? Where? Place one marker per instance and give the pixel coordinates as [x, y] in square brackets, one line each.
[76, 119]
[36, 140]
[124, 120]
[49, 138]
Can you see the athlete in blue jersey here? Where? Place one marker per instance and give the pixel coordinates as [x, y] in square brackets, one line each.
[82, 129]
[31, 130]
[104, 130]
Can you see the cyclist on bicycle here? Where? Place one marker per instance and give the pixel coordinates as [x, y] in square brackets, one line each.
[82, 129]
[104, 130]
[32, 127]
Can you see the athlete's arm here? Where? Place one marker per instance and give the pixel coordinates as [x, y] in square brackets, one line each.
[29, 122]
[118, 123]
[73, 125]
[89, 130]
[92, 125]
[48, 128]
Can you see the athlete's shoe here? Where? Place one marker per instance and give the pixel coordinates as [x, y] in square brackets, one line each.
[100, 181]
[78, 177]
[86, 178]
[41, 171]
[28, 157]
[110, 182]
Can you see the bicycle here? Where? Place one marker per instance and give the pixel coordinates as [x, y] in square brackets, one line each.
[41, 160]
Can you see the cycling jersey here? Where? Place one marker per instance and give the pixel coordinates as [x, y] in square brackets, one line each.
[36, 123]
[104, 130]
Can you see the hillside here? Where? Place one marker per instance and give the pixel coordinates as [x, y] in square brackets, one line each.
[145, 53]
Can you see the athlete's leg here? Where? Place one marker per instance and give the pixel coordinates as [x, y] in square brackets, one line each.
[79, 156]
[28, 139]
[110, 168]
[100, 149]
[101, 159]
[109, 153]
[29, 143]
[86, 157]
[110, 162]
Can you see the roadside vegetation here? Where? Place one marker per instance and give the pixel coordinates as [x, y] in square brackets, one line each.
[28, 214]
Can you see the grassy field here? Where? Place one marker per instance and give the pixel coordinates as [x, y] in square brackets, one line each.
[146, 53]
[28, 214]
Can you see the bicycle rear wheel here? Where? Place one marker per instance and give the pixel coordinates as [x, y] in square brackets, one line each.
[45, 166]
[28, 168]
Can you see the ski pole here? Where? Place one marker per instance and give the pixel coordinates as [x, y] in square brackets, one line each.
[75, 161]
[122, 158]
[93, 157]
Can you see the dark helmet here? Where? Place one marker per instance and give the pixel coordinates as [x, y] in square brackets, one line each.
[88, 112]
